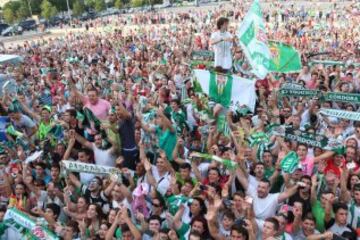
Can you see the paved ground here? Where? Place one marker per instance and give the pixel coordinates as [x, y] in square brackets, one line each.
[52, 33]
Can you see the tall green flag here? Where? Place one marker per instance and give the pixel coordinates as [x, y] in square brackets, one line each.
[284, 58]
[253, 41]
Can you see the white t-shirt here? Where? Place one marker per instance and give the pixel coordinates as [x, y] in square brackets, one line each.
[264, 207]
[222, 50]
[103, 157]
[253, 183]
[354, 215]
[162, 181]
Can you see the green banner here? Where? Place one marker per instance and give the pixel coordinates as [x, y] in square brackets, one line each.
[285, 58]
[294, 90]
[353, 116]
[306, 138]
[203, 54]
[342, 97]
[284, 92]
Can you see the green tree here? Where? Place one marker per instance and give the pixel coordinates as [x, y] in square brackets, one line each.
[23, 12]
[118, 4]
[100, 5]
[10, 10]
[60, 5]
[9, 15]
[90, 3]
[35, 6]
[137, 3]
[78, 8]
[47, 9]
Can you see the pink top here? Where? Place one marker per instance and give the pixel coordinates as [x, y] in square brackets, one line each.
[307, 165]
[100, 109]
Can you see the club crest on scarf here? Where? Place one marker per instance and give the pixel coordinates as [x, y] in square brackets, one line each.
[221, 81]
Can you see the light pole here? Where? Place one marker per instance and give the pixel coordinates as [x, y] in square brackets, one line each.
[68, 8]
[29, 5]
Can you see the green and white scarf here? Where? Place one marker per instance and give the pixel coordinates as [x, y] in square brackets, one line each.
[353, 116]
[306, 138]
[27, 223]
[287, 92]
[79, 167]
[290, 162]
[226, 162]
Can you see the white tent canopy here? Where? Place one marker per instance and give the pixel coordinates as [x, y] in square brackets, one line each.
[12, 59]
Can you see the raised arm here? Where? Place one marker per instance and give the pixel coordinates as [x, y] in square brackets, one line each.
[313, 194]
[175, 154]
[133, 229]
[288, 193]
[323, 156]
[111, 232]
[242, 178]
[345, 195]
[164, 120]
[70, 146]
[27, 111]
[74, 180]
[82, 140]
[211, 218]
[297, 212]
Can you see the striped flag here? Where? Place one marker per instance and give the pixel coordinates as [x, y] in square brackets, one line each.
[253, 41]
[225, 89]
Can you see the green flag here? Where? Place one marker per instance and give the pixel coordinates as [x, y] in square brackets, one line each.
[91, 121]
[225, 89]
[253, 41]
[174, 202]
[284, 58]
[290, 162]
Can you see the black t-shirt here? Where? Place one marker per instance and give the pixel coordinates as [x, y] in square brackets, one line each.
[305, 202]
[127, 134]
[101, 199]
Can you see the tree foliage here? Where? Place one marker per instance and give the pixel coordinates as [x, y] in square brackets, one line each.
[35, 6]
[100, 5]
[9, 15]
[78, 8]
[137, 3]
[47, 9]
[118, 4]
[10, 11]
[23, 12]
[90, 3]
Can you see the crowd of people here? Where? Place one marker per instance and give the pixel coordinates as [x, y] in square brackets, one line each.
[126, 100]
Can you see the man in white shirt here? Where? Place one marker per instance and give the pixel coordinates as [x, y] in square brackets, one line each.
[265, 203]
[222, 42]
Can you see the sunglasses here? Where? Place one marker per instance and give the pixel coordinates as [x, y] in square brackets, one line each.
[156, 205]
